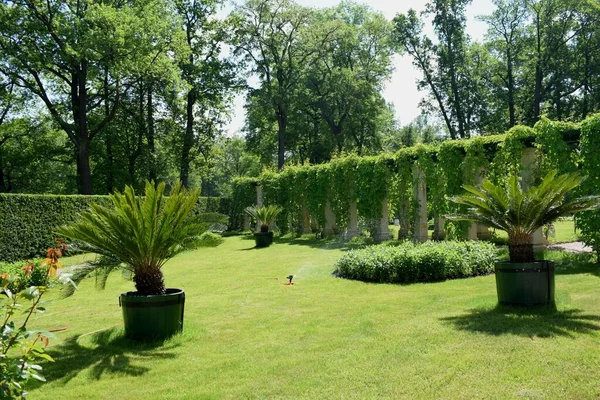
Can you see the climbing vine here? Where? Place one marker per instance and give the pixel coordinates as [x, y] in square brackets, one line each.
[445, 169]
[555, 151]
[589, 146]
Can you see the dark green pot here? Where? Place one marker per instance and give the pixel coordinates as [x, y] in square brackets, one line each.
[263, 239]
[525, 284]
[152, 317]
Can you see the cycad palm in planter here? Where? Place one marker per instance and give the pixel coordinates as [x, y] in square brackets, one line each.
[141, 234]
[523, 280]
[265, 215]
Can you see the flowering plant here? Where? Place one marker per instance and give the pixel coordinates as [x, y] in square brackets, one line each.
[20, 347]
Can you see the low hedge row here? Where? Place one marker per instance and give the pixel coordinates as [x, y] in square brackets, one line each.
[409, 263]
[28, 222]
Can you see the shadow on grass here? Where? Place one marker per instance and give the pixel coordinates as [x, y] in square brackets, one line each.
[108, 353]
[530, 322]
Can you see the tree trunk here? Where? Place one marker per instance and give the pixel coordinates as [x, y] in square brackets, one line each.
[282, 125]
[79, 102]
[150, 135]
[83, 166]
[537, 96]
[110, 159]
[520, 248]
[188, 140]
[511, 89]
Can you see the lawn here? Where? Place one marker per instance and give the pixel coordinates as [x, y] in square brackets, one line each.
[248, 336]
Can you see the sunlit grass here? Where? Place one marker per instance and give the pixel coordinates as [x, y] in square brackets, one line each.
[248, 336]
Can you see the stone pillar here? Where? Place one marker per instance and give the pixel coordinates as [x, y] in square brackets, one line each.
[404, 230]
[306, 221]
[483, 232]
[259, 203]
[472, 233]
[529, 169]
[383, 225]
[438, 228]
[420, 193]
[330, 225]
[352, 221]
[259, 196]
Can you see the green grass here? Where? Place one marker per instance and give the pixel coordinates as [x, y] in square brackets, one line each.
[248, 336]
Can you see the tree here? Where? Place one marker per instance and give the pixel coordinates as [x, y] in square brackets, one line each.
[208, 76]
[269, 37]
[506, 33]
[71, 54]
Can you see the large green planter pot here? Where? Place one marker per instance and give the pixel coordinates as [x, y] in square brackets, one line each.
[152, 317]
[263, 239]
[525, 284]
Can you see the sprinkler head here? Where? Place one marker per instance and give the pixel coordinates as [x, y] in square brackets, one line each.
[290, 277]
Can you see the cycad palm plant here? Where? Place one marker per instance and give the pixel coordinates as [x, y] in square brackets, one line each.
[522, 212]
[139, 233]
[265, 215]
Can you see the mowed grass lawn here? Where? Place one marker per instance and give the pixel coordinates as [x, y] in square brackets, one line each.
[248, 336]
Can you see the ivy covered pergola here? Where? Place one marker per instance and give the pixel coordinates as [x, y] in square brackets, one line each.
[414, 183]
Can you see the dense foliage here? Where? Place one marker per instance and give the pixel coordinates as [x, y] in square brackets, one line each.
[427, 262]
[444, 168]
[28, 222]
[125, 92]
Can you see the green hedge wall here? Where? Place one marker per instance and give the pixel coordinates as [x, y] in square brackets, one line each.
[28, 222]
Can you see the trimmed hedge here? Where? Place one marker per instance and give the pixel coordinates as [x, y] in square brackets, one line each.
[409, 263]
[28, 222]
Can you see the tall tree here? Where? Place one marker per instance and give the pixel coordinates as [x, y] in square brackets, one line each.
[506, 33]
[61, 50]
[210, 77]
[269, 37]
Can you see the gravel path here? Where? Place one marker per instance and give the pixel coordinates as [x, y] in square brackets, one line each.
[575, 247]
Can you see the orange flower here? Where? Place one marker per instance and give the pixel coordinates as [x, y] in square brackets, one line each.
[28, 268]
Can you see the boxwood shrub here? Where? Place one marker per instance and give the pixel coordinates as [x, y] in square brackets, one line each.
[428, 262]
[28, 222]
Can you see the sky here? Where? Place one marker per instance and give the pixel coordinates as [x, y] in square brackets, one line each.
[401, 90]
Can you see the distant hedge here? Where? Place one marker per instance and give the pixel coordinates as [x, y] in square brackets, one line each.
[409, 263]
[28, 222]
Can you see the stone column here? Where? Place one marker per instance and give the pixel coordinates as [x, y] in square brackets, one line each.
[483, 232]
[352, 221]
[420, 193]
[403, 232]
[259, 203]
[472, 233]
[306, 221]
[330, 225]
[438, 228]
[529, 168]
[259, 196]
[383, 225]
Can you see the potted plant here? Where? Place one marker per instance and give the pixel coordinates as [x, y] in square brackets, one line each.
[265, 215]
[523, 280]
[140, 234]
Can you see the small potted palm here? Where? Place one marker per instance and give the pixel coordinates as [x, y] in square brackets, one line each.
[265, 216]
[140, 234]
[523, 280]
